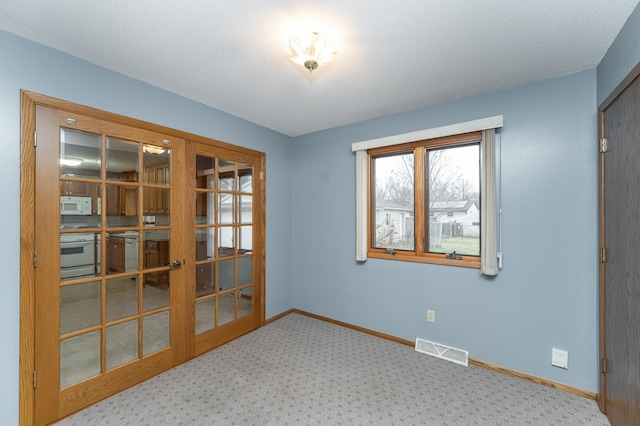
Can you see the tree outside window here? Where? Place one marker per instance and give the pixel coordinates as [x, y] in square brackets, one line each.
[425, 198]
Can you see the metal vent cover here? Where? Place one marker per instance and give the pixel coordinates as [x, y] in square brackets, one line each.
[445, 352]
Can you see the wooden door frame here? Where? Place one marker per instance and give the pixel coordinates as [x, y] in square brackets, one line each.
[28, 102]
[619, 90]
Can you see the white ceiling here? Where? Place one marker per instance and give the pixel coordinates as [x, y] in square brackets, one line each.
[393, 56]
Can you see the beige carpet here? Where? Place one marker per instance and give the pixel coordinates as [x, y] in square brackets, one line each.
[302, 371]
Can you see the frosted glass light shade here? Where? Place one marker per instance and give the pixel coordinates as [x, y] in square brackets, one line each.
[311, 49]
[70, 161]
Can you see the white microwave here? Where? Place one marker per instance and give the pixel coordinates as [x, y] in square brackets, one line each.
[75, 206]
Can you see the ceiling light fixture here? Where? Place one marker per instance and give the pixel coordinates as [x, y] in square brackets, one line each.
[152, 149]
[70, 161]
[311, 49]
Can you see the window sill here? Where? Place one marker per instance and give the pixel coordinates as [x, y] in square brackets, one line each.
[435, 259]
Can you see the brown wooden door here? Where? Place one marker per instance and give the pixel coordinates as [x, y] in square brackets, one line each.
[119, 284]
[103, 319]
[225, 217]
[621, 286]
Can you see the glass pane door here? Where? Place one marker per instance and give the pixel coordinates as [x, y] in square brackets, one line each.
[224, 244]
[109, 281]
[155, 256]
[115, 236]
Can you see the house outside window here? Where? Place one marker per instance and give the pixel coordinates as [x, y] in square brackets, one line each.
[424, 200]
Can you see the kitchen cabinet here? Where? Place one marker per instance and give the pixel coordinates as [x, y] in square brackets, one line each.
[129, 195]
[151, 205]
[115, 254]
[130, 176]
[79, 189]
[113, 200]
[122, 200]
[73, 188]
[122, 252]
[128, 201]
[156, 200]
[156, 254]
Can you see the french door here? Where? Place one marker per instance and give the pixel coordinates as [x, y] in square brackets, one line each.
[147, 252]
[225, 244]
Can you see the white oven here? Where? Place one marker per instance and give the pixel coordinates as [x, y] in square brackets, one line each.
[77, 255]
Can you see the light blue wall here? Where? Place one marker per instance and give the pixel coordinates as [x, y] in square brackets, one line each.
[621, 58]
[30, 66]
[546, 295]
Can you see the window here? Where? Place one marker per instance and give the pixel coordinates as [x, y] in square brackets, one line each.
[424, 201]
[393, 196]
[391, 158]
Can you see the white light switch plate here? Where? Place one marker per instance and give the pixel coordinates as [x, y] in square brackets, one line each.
[559, 358]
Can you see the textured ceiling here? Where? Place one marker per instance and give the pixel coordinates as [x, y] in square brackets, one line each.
[393, 56]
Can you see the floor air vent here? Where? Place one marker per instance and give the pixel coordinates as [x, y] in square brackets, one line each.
[443, 352]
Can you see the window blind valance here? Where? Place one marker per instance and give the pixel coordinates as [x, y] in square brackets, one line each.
[494, 122]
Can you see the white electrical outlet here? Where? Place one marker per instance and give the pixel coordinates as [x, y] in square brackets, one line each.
[431, 316]
[559, 358]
